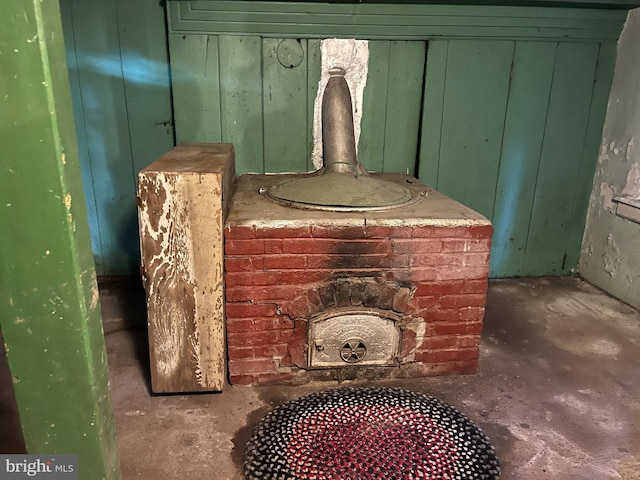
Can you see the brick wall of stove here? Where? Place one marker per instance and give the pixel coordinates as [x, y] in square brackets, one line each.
[278, 278]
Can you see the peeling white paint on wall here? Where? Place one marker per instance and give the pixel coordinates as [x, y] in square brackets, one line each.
[609, 253]
[629, 154]
[604, 153]
[607, 147]
[611, 257]
[353, 56]
[632, 187]
[614, 149]
[607, 194]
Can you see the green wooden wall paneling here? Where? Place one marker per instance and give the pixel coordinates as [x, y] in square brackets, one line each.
[195, 88]
[561, 156]
[266, 104]
[314, 72]
[590, 150]
[285, 105]
[241, 90]
[146, 75]
[536, 108]
[81, 136]
[532, 73]
[121, 84]
[374, 118]
[432, 109]
[391, 114]
[147, 91]
[240, 71]
[406, 78]
[229, 85]
[473, 120]
[103, 100]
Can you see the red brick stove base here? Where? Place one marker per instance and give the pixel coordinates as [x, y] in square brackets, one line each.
[278, 278]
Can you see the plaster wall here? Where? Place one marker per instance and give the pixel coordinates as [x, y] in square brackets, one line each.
[610, 256]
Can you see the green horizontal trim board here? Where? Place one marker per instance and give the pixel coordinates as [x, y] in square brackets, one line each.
[49, 304]
[392, 21]
[384, 8]
[597, 4]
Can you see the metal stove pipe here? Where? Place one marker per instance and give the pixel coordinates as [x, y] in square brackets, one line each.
[338, 136]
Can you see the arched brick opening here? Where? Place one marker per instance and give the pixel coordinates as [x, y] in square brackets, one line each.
[368, 292]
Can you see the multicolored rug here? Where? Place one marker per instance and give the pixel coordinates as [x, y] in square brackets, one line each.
[367, 433]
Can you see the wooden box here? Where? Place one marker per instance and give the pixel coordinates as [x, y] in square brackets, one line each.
[182, 202]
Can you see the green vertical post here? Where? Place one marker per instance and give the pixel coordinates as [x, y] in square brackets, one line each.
[49, 305]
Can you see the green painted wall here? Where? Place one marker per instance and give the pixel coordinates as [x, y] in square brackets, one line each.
[233, 88]
[119, 76]
[518, 143]
[499, 107]
[513, 102]
[610, 255]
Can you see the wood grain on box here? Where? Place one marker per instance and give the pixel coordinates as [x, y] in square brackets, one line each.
[183, 200]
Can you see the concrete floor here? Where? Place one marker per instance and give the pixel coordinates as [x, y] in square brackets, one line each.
[557, 391]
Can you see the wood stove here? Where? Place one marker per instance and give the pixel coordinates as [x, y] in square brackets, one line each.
[305, 287]
[345, 274]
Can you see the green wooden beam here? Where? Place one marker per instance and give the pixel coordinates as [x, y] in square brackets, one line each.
[621, 4]
[49, 306]
[394, 20]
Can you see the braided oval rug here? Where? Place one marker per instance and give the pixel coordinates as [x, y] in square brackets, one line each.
[367, 433]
